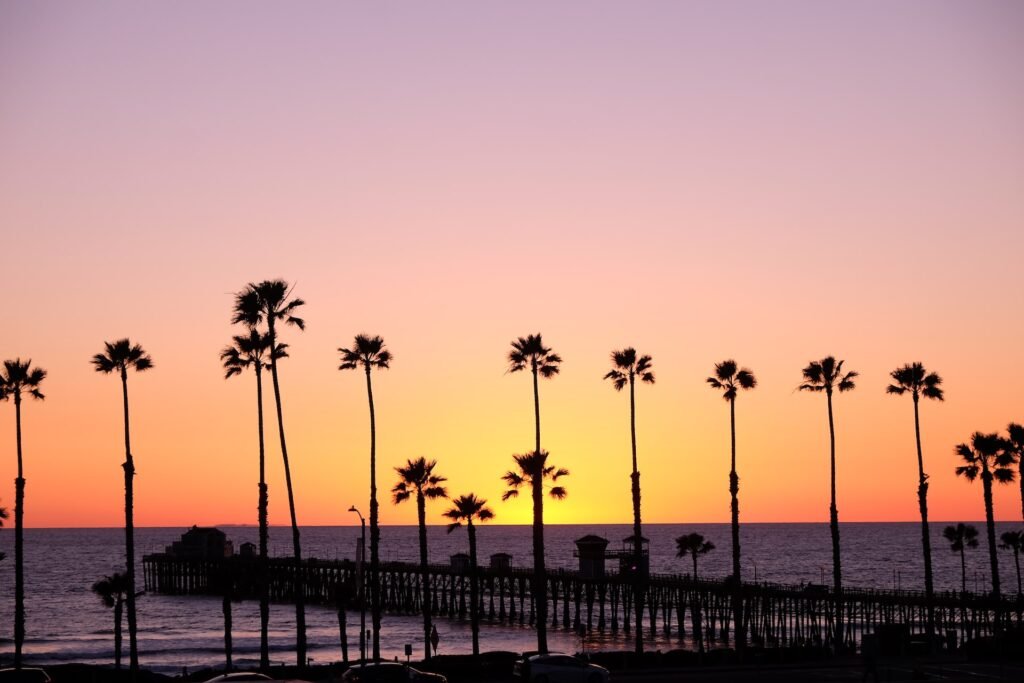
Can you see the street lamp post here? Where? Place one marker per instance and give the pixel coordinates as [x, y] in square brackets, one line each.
[362, 587]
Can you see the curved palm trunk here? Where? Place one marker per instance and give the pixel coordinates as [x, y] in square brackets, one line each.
[638, 557]
[540, 580]
[226, 609]
[474, 610]
[374, 526]
[19, 544]
[990, 527]
[694, 565]
[837, 576]
[262, 507]
[734, 490]
[421, 509]
[1016, 562]
[926, 543]
[129, 534]
[300, 588]
[118, 610]
[963, 570]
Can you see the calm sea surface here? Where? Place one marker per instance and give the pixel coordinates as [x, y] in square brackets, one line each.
[66, 622]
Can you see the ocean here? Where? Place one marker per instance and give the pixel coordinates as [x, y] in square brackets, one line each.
[67, 623]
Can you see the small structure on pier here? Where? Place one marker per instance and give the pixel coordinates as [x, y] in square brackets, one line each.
[459, 562]
[247, 549]
[627, 556]
[501, 561]
[591, 552]
[202, 543]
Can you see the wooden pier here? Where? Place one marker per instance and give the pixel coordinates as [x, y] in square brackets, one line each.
[677, 606]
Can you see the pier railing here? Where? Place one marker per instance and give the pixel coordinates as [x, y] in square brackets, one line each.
[678, 606]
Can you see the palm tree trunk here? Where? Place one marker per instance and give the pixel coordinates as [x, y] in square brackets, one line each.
[638, 557]
[129, 534]
[694, 566]
[837, 576]
[300, 589]
[374, 526]
[226, 609]
[421, 509]
[118, 609]
[734, 490]
[990, 525]
[536, 406]
[540, 581]
[963, 570]
[19, 543]
[474, 609]
[1016, 561]
[262, 513]
[926, 543]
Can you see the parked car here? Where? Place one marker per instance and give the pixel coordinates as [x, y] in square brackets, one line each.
[389, 672]
[240, 676]
[558, 668]
[24, 676]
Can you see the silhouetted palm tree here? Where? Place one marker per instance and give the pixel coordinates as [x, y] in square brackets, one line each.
[1015, 444]
[271, 302]
[961, 537]
[417, 478]
[533, 471]
[253, 351]
[626, 368]
[122, 356]
[19, 378]
[529, 353]
[1013, 540]
[987, 455]
[827, 376]
[465, 509]
[913, 378]
[730, 379]
[369, 352]
[693, 545]
[112, 591]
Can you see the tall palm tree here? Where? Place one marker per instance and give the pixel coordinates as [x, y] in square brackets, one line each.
[529, 353]
[912, 378]
[693, 545]
[465, 509]
[827, 376]
[1015, 444]
[112, 591]
[987, 455]
[17, 379]
[417, 478]
[369, 353]
[271, 302]
[121, 356]
[961, 537]
[534, 470]
[1013, 540]
[730, 379]
[245, 352]
[627, 367]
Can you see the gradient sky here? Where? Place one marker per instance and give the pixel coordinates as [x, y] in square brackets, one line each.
[773, 182]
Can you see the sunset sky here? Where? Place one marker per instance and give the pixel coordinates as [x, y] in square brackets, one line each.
[773, 182]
